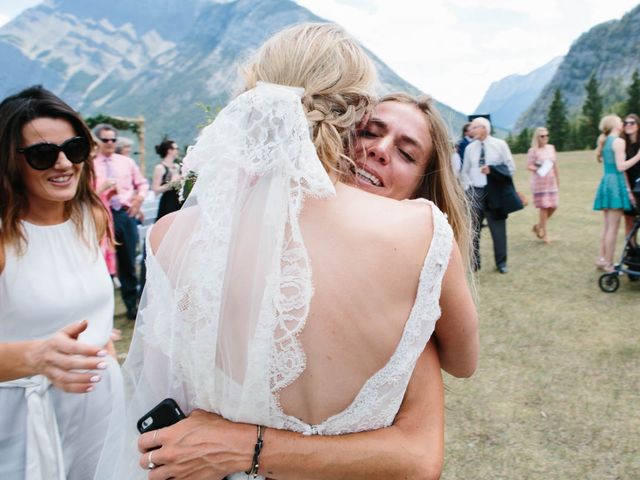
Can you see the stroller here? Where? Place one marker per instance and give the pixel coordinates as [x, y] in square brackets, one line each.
[630, 261]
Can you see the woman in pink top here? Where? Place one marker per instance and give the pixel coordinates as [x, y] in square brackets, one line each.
[104, 193]
[541, 161]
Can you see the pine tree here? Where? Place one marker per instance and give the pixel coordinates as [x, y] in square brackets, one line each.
[511, 141]
[632, 104]
[557, 122]
[592, 112]
[574, 142]
[523, 141]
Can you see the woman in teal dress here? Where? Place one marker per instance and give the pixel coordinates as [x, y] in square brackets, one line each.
[613, 195]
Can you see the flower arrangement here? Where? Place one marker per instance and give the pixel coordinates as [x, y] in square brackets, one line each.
[189, 175]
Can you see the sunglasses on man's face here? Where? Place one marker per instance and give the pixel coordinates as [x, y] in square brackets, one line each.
[107, 140]
[42, 156]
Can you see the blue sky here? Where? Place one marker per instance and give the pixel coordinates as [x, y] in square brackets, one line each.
[454, 49]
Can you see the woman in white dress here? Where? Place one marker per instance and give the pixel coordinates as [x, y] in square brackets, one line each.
[248, 318]
[58, 383]
[413, 446]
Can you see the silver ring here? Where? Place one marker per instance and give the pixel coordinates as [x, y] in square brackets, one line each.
[150, 465]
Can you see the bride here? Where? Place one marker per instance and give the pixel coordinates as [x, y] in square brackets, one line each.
[279, 295]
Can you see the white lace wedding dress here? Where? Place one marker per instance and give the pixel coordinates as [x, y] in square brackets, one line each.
[230, 286]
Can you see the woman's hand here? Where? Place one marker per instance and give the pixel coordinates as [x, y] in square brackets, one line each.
[202, 446]
[61, 358]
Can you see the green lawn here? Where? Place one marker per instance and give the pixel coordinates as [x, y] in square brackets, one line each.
[557, 391]
[556, 394]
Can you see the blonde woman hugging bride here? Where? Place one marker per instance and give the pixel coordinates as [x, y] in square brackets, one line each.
[287, 299]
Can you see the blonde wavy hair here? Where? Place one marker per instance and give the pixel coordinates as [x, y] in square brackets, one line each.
[439, 184]
[606, 126]
[535, 139]
[338, 79]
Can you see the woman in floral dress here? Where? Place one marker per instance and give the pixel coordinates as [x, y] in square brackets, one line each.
[542, 162]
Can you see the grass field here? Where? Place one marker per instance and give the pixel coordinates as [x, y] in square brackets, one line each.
[557, 391]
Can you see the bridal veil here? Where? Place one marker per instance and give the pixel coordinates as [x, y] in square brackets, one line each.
[229, 286]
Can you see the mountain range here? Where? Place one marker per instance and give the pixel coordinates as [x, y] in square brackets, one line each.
[507, 98]
[155, 58]
[610, 50]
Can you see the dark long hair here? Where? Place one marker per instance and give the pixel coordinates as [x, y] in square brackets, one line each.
[631, 147]
[15, 112]
[164, 146]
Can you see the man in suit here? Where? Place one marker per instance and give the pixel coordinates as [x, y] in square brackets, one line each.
[486, 175]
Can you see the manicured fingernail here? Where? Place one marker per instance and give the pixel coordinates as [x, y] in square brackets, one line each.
[102, 365]
[95, 379]
[89, 389]
[102, 353]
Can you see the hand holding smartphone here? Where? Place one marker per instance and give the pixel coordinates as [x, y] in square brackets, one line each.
[165, 414]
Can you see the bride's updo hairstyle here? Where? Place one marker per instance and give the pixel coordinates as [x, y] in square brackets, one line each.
[337, 77]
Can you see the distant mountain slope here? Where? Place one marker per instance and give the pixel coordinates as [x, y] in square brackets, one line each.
[610, 50]
[506, 99]
[156, 58]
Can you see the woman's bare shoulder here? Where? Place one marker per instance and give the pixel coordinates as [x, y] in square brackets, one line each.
[159, 230]
[405, 226]
[188, 217]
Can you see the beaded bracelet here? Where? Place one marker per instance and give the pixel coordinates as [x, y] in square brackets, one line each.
[255, 465]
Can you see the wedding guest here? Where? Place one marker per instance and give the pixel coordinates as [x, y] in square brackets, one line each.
[485, 160]
[58, 386]
[632, 145]
[397, 119]
[543, 165]
[613, 195]
[465, 140]
[106, 245]
[124, 146]
[120, 179]
[165, 176]
[290, 148]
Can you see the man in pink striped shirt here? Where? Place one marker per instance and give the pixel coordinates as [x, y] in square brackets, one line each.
[120, 178]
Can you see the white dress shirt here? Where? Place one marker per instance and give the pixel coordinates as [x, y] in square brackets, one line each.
[496, 152]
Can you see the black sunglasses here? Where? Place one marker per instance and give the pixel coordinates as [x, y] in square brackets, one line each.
[107, 140]
[42, 156]
[630, 122]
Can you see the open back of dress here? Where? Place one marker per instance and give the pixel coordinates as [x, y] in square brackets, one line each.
[230, 288]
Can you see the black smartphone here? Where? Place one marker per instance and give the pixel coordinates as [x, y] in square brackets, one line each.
[166, 413]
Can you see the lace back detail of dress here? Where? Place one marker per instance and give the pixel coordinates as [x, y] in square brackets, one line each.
[237, 280]
[378, 402]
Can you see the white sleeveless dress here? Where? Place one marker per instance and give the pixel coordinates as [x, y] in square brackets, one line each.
[378, 401]
[229, 287]
[59, 280]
